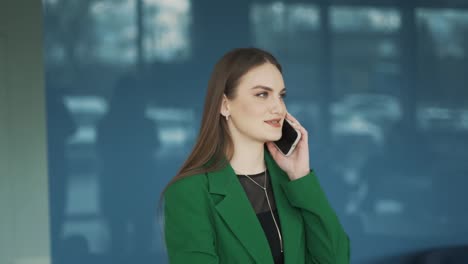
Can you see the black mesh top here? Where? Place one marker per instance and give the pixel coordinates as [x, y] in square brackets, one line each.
[259, 203]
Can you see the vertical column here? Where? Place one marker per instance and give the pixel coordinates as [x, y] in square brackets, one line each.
[24, 225]
[408, 60]
[6, 221]
[326, 81]
[140, 35]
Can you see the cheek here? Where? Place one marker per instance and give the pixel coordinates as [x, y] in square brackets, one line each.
[253, 105]
[253, 110]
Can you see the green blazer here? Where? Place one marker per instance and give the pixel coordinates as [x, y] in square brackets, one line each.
[208, 219]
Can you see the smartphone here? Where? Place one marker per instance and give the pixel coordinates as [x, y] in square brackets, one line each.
[289, 139]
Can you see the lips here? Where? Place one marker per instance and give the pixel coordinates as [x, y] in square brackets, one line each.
[274, 122]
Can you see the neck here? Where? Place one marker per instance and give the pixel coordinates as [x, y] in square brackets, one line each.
[248, 157]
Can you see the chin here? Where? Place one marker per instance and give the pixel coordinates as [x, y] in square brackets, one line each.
[268, 136]
[274, 138]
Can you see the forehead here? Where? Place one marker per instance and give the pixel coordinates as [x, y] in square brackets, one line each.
[264, 75]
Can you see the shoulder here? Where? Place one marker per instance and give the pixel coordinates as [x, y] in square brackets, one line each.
[188, 198]
[189, 186]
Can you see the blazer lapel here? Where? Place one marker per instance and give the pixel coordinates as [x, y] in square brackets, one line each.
[290, 218]
[235, 209]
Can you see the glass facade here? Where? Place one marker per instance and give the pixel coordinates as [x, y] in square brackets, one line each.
[381, 89]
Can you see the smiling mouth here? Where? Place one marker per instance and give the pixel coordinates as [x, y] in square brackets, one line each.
[274, 123]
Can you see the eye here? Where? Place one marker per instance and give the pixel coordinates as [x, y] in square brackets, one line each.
[283, 95]
[264, 94]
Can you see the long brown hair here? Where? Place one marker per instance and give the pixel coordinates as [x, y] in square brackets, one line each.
[214, 146]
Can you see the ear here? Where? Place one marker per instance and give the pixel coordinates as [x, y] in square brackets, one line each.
[224, 106]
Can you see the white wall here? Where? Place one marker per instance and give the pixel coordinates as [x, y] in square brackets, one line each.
[24, 225]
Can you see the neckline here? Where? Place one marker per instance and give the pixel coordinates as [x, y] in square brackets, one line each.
[254, 175]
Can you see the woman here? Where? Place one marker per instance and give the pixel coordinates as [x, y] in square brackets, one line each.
[237, 199]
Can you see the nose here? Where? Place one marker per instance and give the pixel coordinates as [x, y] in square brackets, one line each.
[278, 106]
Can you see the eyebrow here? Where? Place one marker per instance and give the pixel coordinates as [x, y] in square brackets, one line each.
[266, 88]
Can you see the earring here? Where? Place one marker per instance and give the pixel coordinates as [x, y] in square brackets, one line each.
[227, 117]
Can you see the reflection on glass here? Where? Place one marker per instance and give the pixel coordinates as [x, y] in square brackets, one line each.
[448, 30]
[366, 89]
[365, 50]
[125, 145]
[114, 31]
[386, 181]
[167, 25]
[176, 130]
[361, 19]
[86, 110]
[442, 56]
[285, 28]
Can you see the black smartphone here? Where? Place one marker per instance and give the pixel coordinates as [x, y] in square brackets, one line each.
[289, 139]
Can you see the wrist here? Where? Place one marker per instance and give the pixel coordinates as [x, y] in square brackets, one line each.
[297, 175]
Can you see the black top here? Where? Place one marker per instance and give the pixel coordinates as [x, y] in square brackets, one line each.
[259, 203]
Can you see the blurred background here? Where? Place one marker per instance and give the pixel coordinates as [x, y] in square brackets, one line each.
[381, 86]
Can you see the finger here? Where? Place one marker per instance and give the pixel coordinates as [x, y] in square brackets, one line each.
[272, 149]
[292, 118]
[303, 132]
[295, 122]
[299, 127]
